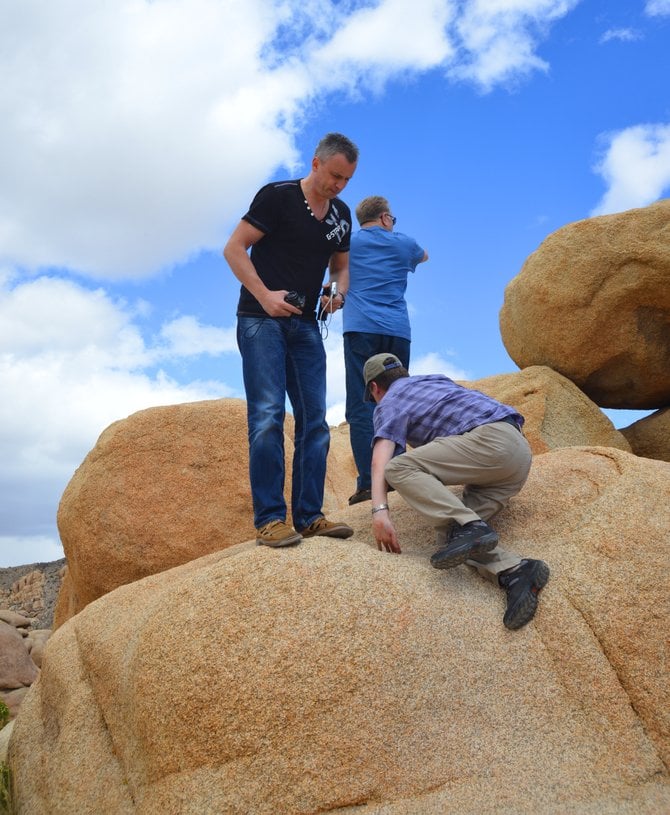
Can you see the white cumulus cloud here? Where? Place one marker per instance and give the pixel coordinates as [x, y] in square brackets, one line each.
[186, 337]
[378, 42]
[657, 8]
[72, 361]
[125, 123]
[635, 165]
[621, 35]
[434, 363]
[133, 131]
[499, 38]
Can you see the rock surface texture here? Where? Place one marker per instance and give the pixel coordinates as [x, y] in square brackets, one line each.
[160, 488]
[330, 677]
[593, 303]
[650, 437]
[21, 649]
[31, 591]
[168, 485]
[27, 600]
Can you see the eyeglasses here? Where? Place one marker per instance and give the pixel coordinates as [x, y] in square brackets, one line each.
[392, 217]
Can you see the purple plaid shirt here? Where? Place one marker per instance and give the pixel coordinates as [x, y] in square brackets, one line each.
[417, 409]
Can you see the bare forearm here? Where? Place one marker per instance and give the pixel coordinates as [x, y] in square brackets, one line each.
[244, 270]
[236, 252]
[380, 459]
[382, 526]
[338, 270]
[338, 273]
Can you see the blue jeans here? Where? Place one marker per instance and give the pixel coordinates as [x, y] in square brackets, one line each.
[280, 356]
[358, 348]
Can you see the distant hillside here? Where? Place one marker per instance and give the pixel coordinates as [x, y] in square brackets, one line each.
[35, 596]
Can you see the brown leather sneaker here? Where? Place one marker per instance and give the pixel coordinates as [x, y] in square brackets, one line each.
[277, 533]
[329, 529]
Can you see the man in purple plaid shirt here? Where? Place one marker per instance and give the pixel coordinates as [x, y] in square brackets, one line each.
[457, 436]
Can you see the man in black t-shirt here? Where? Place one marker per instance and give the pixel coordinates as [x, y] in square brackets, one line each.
[295, 230]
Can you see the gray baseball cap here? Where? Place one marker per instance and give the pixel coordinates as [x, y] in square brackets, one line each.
[375, 366]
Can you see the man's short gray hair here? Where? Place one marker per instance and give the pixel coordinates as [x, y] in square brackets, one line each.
[371, 208]
[332, 144]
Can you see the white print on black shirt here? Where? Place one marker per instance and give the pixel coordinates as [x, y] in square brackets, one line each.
[341, 226]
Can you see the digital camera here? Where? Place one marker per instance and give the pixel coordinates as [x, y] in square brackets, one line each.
[295, 299]
[329, 290]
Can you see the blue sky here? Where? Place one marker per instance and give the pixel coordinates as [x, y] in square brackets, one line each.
[135, 134]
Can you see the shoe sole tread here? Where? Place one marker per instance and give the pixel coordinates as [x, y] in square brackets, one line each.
[281, 542]
[524, 610]
[456, 557]
[333, 532]
[360, 497]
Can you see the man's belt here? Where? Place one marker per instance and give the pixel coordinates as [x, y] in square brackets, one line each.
[511, 420]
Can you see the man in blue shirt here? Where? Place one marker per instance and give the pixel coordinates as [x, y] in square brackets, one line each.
[375, 319]
[457, 436]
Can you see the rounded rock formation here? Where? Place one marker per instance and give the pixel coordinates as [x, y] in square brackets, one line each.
[650, 436]
[593, 303]
[556, 412]
[164, 486]
[332, 677]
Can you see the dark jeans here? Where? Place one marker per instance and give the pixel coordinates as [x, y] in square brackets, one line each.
[280, 356]
[358, 348]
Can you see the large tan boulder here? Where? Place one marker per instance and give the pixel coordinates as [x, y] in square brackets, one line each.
[650, 436]
[17, 669]
[341, 471]
[593, 303]
[330, 677]
[164, 486]
[5, 733]
[36, 642]
[557, 413]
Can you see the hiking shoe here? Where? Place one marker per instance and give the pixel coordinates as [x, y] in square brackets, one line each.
[277, 533]
[522, 586]
[463, 543]
[365, 495]
[330, 529]
[359, 496]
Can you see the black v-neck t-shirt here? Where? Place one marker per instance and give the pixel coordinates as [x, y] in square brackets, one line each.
[295, 249]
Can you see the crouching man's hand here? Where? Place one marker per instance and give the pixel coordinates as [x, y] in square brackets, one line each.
[382, 528]
[384, 532]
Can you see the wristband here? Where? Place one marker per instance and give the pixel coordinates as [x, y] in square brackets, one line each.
[379, 508]
[339, 294]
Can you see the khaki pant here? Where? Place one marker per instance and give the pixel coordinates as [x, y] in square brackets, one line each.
[492, 461]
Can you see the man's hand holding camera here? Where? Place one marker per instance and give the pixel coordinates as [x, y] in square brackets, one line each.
[278, 304]
[295, 300]
[332, 304]
[331, 300]
[282, 303]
